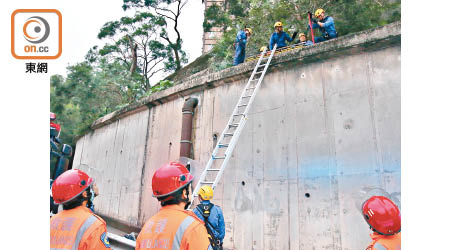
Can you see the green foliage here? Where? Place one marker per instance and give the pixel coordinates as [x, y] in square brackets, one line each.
[170, 11]
[107, 80]
[260, 15]
[215, 17]
[89, 93]
[104, 82]
[162, 85]
[143, 30]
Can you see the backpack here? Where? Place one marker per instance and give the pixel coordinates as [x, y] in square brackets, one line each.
[205, 210]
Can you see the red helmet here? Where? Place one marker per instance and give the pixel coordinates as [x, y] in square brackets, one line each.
[170, 178]
[382, 215]
[52, 116]
[69, 185]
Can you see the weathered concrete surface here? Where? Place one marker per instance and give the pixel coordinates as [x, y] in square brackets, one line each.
[115, 155]
[325, 125]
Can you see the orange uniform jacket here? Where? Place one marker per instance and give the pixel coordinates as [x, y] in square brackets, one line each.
[383, 242]
[78, 228]
[173, 228]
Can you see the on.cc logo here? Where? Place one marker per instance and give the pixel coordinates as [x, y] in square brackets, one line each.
[39, 29]
[36, 34]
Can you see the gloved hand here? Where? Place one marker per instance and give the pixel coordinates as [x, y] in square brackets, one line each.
[294, 35]
[310, 15]
[131, 236]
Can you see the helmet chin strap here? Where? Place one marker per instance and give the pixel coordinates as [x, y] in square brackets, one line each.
[188, 203]
[91, 198]
[187, 200]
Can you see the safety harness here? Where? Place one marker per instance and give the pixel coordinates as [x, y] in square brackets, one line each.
[322, 29]
[205, 210]
[324, 32]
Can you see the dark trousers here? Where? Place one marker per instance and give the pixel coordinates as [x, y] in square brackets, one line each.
[323, 38]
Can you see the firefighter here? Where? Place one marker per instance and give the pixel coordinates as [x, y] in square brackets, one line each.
[325, 24]
[384, 219]
[211, 214]
[279, 37]
[240, 43]
[76, 227]
[54, 125]
[173, 227]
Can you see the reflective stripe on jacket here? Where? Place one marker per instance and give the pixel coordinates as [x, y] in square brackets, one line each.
[77, 228]
[173, 228]
[383, 242]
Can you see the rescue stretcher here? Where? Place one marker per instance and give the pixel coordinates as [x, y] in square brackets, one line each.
[278, 51]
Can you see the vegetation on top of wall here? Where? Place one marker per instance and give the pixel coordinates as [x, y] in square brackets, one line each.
[349, 15]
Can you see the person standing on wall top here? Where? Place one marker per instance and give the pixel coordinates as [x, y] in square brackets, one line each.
[211, 214]
[303, 41]
[76, 227]
[325, 25]
[173, 227]
[240, 43]
[384, 219]
[280, 37]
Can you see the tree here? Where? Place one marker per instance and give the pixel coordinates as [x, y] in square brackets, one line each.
[170, 10]
[75, 99]
[136, 44]
[118, 72]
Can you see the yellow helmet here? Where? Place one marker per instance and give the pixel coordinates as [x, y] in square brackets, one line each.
[318, 12]
[301, 34]
[262, 48]
[249, 31]
[277, 24]
[206, 192]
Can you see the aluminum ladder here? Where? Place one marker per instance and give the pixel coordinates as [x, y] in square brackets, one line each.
[227, 141]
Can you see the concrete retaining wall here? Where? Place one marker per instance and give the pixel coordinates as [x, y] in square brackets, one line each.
[324, 126]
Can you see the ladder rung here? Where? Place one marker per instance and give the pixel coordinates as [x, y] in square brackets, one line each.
[234, 126]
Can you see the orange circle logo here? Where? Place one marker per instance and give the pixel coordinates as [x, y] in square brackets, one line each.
[36, 29]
